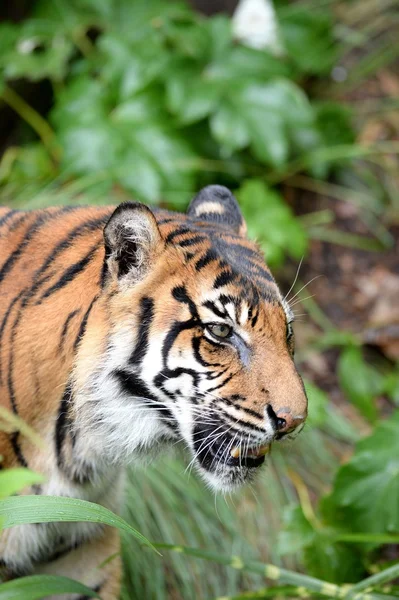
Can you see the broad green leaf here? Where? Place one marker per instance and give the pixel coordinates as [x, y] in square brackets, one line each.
[130, 67]
[271, 221]
[49, 509]
[170, 152]
[324, 558]
[365, 496]
[191, 94]
[360, 381]
[307, 36]
[84, 101]
[275, 113]
[247, 64]
[15, 480]
[334, 123]
[34, 50]
[140, 175]
[269, 139]
[142, 107]
[229, 129]
[91, 148]
[42, 586]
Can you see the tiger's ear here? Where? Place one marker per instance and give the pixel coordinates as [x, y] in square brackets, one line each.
[217, 204]
[131, 239]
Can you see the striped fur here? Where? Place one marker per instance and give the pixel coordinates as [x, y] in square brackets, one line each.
[107, 348]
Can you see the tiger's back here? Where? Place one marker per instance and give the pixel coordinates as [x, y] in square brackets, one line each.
[44, 254]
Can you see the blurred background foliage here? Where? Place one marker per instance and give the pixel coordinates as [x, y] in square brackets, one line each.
[105, 100]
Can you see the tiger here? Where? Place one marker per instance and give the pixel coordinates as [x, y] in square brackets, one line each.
[125, 330]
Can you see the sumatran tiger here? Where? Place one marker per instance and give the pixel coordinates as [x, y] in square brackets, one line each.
[123, 330]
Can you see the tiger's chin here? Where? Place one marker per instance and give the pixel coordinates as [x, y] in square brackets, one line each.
[223, 463]
[229, 478]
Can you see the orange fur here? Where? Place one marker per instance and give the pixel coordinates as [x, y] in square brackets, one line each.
[56, 315]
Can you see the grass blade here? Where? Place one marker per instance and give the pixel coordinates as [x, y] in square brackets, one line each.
[41, 586]
[48, 509]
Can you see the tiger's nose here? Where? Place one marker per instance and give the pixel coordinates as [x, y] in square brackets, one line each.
[287, 422]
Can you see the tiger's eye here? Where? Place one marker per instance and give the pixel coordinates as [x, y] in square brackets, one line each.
[220, 330]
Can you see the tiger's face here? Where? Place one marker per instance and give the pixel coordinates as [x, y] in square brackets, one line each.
[201, 343]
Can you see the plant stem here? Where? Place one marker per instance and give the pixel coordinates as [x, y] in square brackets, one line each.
[283, 576]
[33, 118]
[372, 581]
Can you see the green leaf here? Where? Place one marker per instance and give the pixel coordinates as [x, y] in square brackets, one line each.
[15, 480]
[83, 101]
[360, 381]
[49, 509]
[140, 175]
[334, 123]
[33, 51]
[274, 113]
[170, 152]
[241, 63]
[91, 148]
[42, 586]
[271, 222]
[323, 557]
[190, 93]
[307, 36]
[130, 67]
[229, 129]
[365, 497]
[142, 107]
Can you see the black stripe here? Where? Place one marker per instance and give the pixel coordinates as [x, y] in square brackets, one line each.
[7, 217]
[180, 231]
[4, 322]
[96, 589]
[63, 422]
[232, 401]
[15, 254]
[208, 257]
[211, 306]
[65, 328]
[17, 222]
[60, 553]
[136, 388]
[146, 317]
[34, 228]
[180, 294]
[196, 344]
[70, 273]
[80, 230]
[224, 278]
[83, 324]
[17, 449]
[192, 241]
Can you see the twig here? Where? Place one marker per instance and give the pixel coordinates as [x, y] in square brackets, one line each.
[33, 118]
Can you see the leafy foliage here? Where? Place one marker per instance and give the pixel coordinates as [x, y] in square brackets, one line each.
[365, 496]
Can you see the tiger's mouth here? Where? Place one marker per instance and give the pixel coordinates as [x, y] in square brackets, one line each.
[255, 452]
[223, 461]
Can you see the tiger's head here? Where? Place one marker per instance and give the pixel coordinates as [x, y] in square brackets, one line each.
[194, 342]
